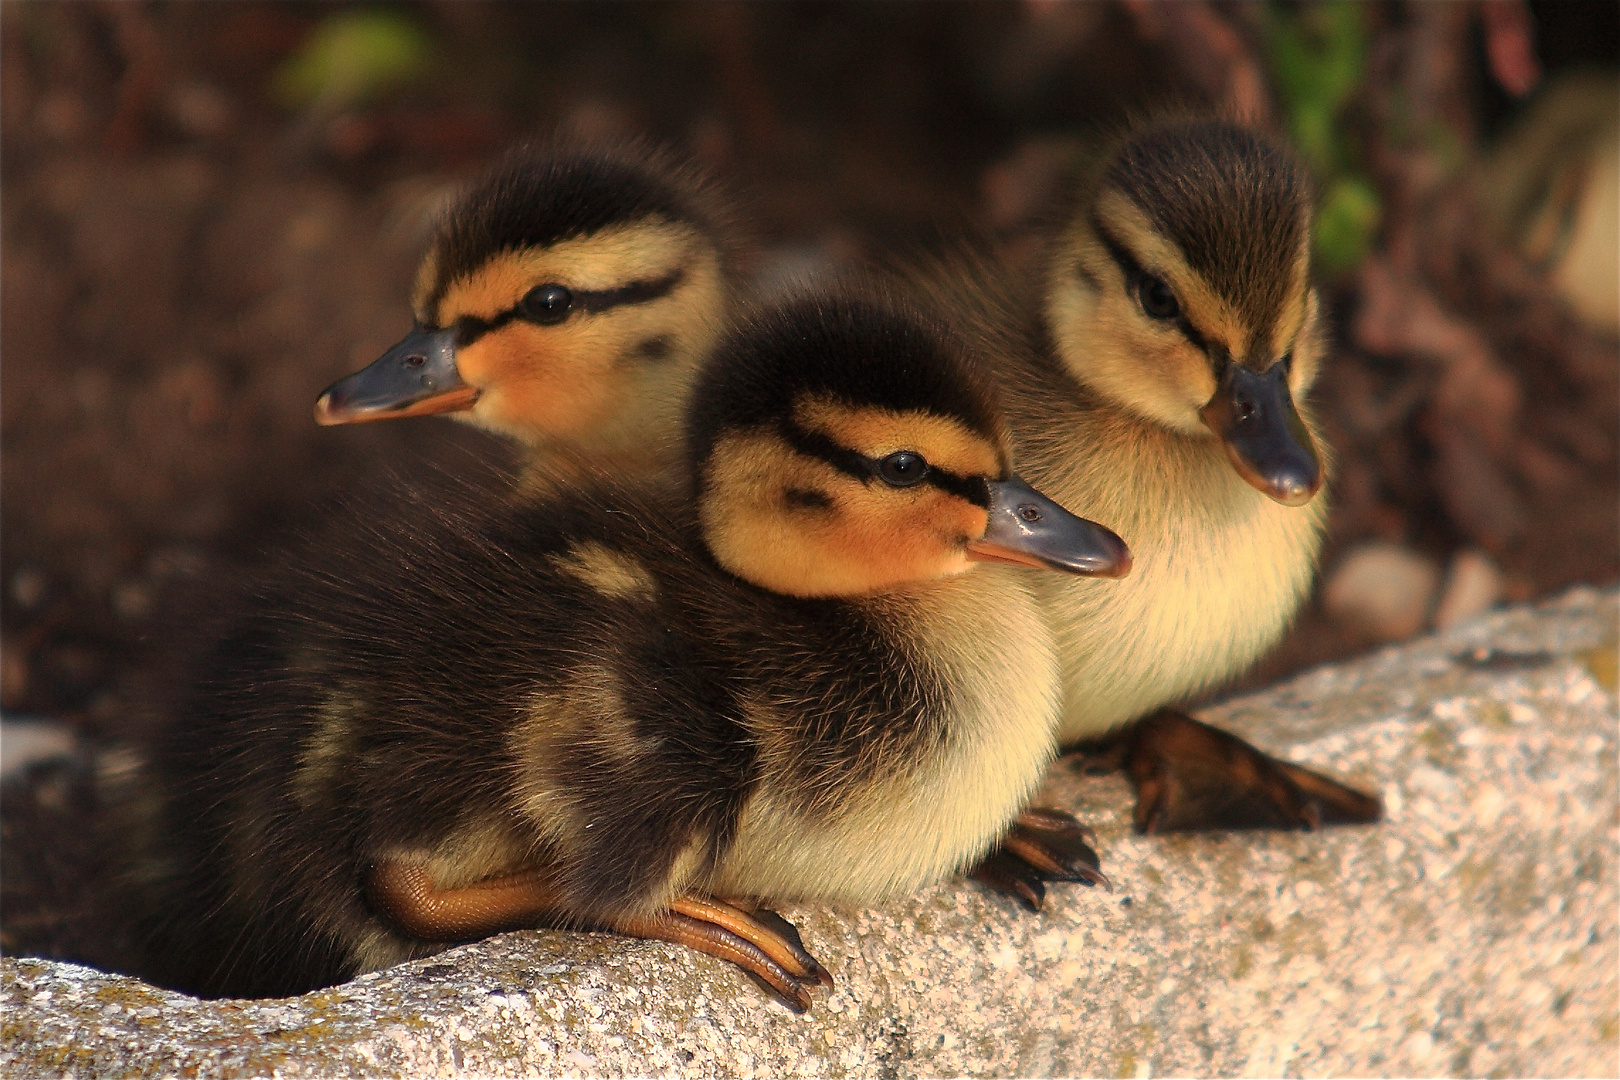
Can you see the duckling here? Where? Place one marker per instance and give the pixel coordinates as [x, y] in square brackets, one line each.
[565, 302]
[1159, 381]
[814, 676]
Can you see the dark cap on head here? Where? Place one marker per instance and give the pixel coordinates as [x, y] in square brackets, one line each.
[541, 193]
[1236, 203]
[857, 352]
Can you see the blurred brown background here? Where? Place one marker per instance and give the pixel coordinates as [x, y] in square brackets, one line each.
[212, 210]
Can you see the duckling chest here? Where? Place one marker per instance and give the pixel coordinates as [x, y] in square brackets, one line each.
[1219, 572]
[927, 805]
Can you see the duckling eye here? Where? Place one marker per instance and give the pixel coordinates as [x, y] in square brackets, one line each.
[1157, 298]
[902, 468]
[547, 304]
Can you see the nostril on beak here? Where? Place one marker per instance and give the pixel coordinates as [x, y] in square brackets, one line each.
[415, 360]
[1030, 513]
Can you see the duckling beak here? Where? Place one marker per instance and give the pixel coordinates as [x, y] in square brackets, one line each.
[1266, 441]
[414, 378]
[1029, 529]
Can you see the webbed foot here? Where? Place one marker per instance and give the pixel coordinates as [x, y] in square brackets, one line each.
[1043, 845]
[1190, 776]
[766, 946]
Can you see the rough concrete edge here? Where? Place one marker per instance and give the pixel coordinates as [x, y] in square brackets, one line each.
[406, 1017]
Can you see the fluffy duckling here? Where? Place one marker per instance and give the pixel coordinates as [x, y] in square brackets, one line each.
[614, 707]
[566, 302]
[1161, 385]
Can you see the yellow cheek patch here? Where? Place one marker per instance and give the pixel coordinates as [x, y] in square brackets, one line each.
[1148, 366]
[558, 380]
[878, 432]
[611, 573]
[642, 251]
[868, 538]
[1307, 347]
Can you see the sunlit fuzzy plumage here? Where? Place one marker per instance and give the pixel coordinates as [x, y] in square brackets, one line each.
[644, 250]
[1105, 402]
[474, 685]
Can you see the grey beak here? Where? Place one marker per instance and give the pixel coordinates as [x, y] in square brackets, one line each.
[1265, 439]
[414, 378]
[1029, 529]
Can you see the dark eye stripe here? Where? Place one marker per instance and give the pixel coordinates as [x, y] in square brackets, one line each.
[1133, 273]
[1128, 266]
[972, 488]
[853, 463]
[637, 292]
[469, 328]
[815, 444]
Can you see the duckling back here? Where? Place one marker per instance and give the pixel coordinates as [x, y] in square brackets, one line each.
[404, 688]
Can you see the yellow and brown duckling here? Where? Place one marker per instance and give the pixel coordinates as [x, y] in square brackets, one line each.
[1161, 384]
[566, 301]
[626, 708]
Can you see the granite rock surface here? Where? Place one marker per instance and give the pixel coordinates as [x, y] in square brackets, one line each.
[1473, 932]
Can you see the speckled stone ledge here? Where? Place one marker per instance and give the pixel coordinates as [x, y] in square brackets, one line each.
[1474, 932]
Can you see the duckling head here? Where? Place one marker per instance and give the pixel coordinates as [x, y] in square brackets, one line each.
[842, 447]
[566, 299]
[1180, 290]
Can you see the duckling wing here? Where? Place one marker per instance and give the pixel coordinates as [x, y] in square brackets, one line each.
[463, 683]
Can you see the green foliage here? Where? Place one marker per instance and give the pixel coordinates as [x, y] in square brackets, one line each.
[1345, 223]
[353, 56]
[1317, 54]
[1318, 57]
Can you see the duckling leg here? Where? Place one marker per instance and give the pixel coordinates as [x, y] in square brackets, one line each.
[766, 946]
[1190, 776]
[1043, 845]
[404, 894]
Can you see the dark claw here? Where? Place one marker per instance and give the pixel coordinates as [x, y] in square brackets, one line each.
[789, 933]
[1058, 836]
[1092, 875]
[798, 1000]
[1192, 777]
[1012, 877]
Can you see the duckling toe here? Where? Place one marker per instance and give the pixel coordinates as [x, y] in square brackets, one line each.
[1192, 777]
[404, 895]
[766, 946]
[1059, 831]
[1009, 875]
[1057, 846]
[1044, 844]
[809, 966]
[1333, 802]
